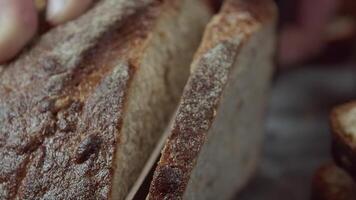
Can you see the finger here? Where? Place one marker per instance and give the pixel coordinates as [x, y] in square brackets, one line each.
[18, 24]
[61, 11]
[315, 15]
[295, 46]
[303, 40]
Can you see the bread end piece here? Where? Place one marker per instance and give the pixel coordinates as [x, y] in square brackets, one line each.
[76, 109]
[332, 183]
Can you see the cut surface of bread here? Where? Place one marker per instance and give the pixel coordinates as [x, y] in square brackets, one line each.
[216, 133]
[82, 109]
[343, 123]
[332, 183]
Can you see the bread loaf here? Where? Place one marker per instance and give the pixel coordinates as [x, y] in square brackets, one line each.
[343, 123]
[82, 108]
[216, 134]
[332, 183]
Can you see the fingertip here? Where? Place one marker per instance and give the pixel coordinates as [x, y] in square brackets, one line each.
[297, 45]
[18, 24]
[61, 11]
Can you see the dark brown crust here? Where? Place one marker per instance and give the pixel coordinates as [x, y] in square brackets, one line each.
[222, 40]
[223, 28]
[62, 101]
[343, 148]
[324, 188]
[189, 128]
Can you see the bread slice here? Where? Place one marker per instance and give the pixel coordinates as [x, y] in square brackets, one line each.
[332, 183]
[82, 108]
[216, 134]
[343, 122]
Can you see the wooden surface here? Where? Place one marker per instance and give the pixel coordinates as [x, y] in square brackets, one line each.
[297, 137]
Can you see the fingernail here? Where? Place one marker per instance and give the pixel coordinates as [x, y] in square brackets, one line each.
[18, 24]
[61, 11]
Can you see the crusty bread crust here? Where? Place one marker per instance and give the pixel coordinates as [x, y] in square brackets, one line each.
[63, 101]
[57, 135]
[156, 90]
[223, 38]
[332, 183]
[343, 146]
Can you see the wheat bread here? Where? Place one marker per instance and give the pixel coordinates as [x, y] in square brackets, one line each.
[216, 134]
[330, 182]
[343, 124]
[82, 108]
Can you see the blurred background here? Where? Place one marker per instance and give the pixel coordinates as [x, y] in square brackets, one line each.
[317, 71]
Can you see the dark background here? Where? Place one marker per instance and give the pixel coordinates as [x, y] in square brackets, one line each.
[297, 139]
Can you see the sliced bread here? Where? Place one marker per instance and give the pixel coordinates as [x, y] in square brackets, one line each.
[343, 123]
[83, 107]
[215, 138]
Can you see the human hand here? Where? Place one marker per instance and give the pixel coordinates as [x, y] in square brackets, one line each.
[19, 21]
[304, 37]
